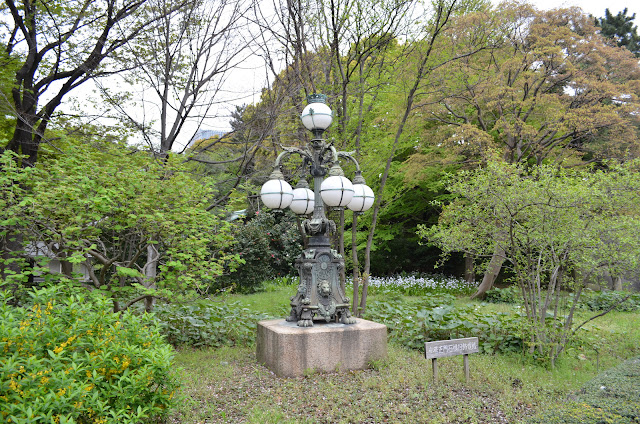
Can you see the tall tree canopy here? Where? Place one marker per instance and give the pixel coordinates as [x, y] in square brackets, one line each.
[550, 89]
[61, 45]
[620, 28]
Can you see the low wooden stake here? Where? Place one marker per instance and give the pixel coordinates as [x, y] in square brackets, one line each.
[465, 361]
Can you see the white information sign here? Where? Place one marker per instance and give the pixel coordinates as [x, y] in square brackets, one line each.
[444, 348]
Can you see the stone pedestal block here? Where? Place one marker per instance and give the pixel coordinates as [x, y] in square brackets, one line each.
[290, 351]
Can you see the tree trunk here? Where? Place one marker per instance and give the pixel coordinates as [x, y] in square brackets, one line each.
[617, 283]
[12, 261]
[365, 290]
[66, 268]
[469, 272]
[150, 273]
[497, 259]
[304, 240]
[442, 14]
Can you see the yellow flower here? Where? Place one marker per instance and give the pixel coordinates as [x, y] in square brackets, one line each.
[58, 349]
[44, 380]
[61, 392]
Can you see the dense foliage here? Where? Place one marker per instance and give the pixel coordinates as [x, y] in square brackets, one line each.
[268, 244]
[557, 230]
[605, 300]
[140, 228]
[621, 30]
[74, 361]
[435, 317]
[509, 294]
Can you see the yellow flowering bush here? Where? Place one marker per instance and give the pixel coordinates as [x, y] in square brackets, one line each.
[66, 358]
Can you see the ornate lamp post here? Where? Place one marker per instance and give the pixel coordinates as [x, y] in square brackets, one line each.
[319, 295]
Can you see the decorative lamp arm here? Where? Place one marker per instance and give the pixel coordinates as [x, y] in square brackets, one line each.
[349, 155]
[287, 151]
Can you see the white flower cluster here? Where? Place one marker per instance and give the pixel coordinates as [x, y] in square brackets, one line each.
[417, 283]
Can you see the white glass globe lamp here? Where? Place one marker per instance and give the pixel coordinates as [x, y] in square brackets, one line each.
[363, 198]
[336, 191]
[276, 194]
[303, 200]
[317, 116]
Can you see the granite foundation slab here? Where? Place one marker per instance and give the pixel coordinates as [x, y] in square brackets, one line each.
[292, 351]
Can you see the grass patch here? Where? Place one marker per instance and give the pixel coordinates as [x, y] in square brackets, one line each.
[611, 397]
[274, 303]
[227, 385]
[234, 388]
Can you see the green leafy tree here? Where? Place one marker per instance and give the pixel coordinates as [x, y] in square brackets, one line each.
[550, 89]
[558, 230]
[108, 207]
[61, 45]
[621, 29]
[375, 85]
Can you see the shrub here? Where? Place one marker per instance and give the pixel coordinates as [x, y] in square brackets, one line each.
[268, 245]
[509, 294]
[77, 362]
[205, 323]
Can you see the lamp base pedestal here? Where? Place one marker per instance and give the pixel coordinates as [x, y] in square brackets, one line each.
[292, 351]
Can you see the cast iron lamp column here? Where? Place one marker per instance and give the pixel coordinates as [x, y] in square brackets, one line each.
[319, 295]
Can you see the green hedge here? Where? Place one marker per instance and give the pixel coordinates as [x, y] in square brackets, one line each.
[611, 397]
[66, 358]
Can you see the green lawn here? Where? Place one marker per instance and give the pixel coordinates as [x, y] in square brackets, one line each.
[226, 385]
